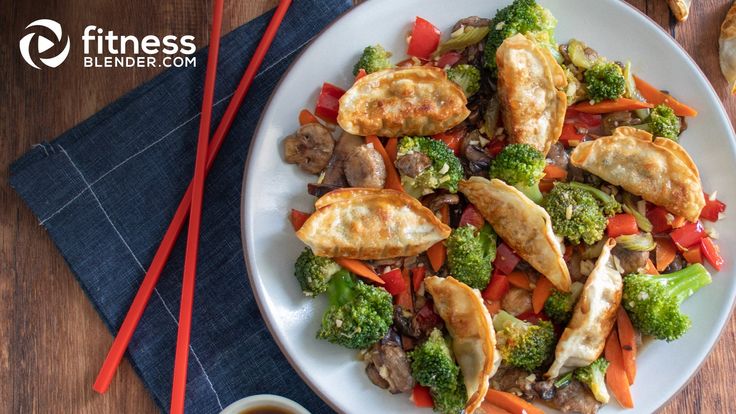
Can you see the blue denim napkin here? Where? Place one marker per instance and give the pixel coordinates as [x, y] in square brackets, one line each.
[106, 190]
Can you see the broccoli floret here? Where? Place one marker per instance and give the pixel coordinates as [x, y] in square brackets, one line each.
[664, 123]
[444, 172]
[560, 305]
[594, 377]
[450, 400]
[522, 166]
[605, 80]
[608, 204]
[358, 315]
[470, 255]
[432, 363]
[522, 344]
[653, 302]
[466, 76]
[373, 59]
[313, 272]
[575, 214]
[521, 16]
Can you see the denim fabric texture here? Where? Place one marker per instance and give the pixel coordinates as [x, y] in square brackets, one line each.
[106, 190]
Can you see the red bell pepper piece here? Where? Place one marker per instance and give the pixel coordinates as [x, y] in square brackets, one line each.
[497, 288]
[531, 317]
[417, 276]
[361, 73]
[471, 216]
[658, 217]
[425, 38]
[327, 103]
[506, 259]
[495, 146]
[421, 397]
[622, 224]
[448, 59]
[298, 218]
[590, 120]
[570, 133]
[711, 209]
[688, 235]
[711, 252]
[394, 282]
[452, 138]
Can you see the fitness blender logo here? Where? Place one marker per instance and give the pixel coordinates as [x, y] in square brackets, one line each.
[39, 49]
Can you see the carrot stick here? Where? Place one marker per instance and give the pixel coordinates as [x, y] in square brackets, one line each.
[359, 268]
[520, 280]
[665, 252]
[489, 408]
[553, 172]
[306, 117]
[540, 294]
[655, 96]
[511, 403]
[649, 268]
[627, 337]
[392, 149]
[611, 105]
[616, 378]
[404, 299]
[445, 214]
[546, 186]
[436, 255]
[392, 176]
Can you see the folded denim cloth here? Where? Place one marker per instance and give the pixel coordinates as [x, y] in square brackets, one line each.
[106, 190]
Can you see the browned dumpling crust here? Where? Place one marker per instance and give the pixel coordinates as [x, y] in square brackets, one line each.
[371, 224]
[470, 326]
[522, 224]
[727, 48]
[659, 170]
[592, 320]
[404, 101]
[529, 83]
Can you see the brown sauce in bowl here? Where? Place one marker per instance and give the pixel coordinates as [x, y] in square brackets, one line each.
[267, 409]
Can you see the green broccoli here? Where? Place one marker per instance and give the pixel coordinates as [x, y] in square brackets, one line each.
[450, 400]
[313, 272]
[575, 214]
[521, 16]
[358, 315]
[470, 255]
[373, 59]
[608, 204]
[432, 363]
[444, 172]
[522, 344]
[466, 76]
[594, 377]
[605, 80]
[653, 303]
[560, 305]
[662, 123]
[522, 166]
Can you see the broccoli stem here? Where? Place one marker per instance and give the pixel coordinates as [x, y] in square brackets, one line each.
[604, 198]
[641, 220]
[532, 192]
[340, 288]
[504, 319]
[683, 283]
[564, 380]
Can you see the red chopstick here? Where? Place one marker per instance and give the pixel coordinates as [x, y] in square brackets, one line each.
[120, 344]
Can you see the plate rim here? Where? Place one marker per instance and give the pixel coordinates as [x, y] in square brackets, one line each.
[257, 131]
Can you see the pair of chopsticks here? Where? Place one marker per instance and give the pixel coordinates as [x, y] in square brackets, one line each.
[191, 206]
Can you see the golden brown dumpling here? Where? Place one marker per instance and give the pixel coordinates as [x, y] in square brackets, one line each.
[659, 170]
[522, 224]
[471, 329]
[371, 224]
[592, 320]
[727, 48]
[680, 8]
[417, 100]
[529, 80]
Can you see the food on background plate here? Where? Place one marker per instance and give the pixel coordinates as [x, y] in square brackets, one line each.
[727, 48]
[680, 8]
[501, 218]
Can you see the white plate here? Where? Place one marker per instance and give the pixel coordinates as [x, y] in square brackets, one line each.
[272, 187]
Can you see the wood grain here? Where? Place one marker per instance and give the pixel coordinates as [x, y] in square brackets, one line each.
[51, 340]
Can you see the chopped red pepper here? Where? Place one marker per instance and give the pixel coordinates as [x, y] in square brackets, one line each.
[589, 120]
[448, 59]
[531, 317]
[622, 224]
[712, 253]
[658, 216]
[425, 38]
[361, 73]
[506, 259]
[452, 138]
[327, 103]
[495, 146]
[298, 218]
[712, 209]
[570, 133]
[421, 397]
[688, 235]
[417, 276]
[471, 216]
[497, 288]
[394, 282]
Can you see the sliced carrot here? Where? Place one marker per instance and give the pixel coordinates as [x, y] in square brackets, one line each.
[693, 255]
[616, 378]
[520, 280]
[553, 172]
[540, 294]
[665, 252]
[359, 268]
[546, 186]
[436, 255]
[655, 96]
[627, 337]
[392, 176]
[489, 408]
[445, 213]
[511, 403]
[611, 105]
[649, 268]
[392, 149]
[493, 306]
[361, 73]
[404, 299]
[306, 117]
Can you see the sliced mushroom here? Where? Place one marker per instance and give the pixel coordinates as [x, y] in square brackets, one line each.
[388, 365]
[310, 147]
[364, 167]
[413, 164]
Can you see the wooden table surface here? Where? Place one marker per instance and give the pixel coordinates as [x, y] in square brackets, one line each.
[51, 340]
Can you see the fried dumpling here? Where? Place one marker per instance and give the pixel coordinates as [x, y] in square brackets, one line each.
[659, 170]
[727, 48]
[471, 329]
[371, 224]
[522, 224]
[592, 320]
[529, 80]
[417, 100]
[680, 8]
